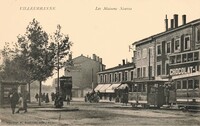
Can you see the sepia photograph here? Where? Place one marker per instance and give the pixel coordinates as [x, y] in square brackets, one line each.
[99, 63]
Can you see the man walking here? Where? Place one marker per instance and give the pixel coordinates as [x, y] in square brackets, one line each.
[14, 97]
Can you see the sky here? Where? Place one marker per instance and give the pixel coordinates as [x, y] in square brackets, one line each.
[106, 33]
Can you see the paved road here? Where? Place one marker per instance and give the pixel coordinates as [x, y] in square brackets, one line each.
[80, 113]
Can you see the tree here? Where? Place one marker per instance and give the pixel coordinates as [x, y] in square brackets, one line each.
[39, 54]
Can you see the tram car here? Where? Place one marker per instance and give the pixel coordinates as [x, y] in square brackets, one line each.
[64, 93]
[151, 93]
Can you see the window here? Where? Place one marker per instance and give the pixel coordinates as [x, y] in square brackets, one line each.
[158, 49]
[196, 55]
[115, 77]
[197, 35]
[167, 68]
[101, 78]
[178, 59]
[126, 76]
[196, 84]
[190, 56]
[172, 59]
[138, 54]
[178, 84]
[144, 71]
[168, 47]
[190, 84]
[144, 53]
[138, 72]
[119, 77]
[177, 45]
[131, 75]
[158, 70]
[187, 42]
[184, 86]
[184, 57]
[105, 78]
[110, 77]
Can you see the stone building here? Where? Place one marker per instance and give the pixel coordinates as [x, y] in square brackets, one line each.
[115, 78]
[175, 57]
[84, 74]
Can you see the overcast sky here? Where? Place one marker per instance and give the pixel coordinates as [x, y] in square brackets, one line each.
[106, 33]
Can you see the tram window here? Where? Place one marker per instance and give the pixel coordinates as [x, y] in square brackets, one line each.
[196, 84]
[178, 85]
[190, 84]
[184, 84]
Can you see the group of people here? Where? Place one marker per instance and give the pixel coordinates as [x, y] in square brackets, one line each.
[17, 99]
[92, 97]
[44, 97]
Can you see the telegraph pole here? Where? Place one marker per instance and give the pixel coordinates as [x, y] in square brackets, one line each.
[58, 55]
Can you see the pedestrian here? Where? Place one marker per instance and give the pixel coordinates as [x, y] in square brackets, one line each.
[26, 96]
[21, 103]
[52, 96]
[14, 97]
[47, 98]
[68, 100]
[36, 97]
[43, 97]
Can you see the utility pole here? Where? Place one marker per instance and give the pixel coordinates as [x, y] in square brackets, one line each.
[58, 55]
[92, 80]
[149, 65]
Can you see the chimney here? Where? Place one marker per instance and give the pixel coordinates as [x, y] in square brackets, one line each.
[123, 62]
[172, 23]
[184, 19]
[166, 23]
[100, 60]
[97, 58]
[94, 57]
[175, 20]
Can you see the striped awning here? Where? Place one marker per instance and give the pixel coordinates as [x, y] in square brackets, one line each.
[103, 89]
[112, 88]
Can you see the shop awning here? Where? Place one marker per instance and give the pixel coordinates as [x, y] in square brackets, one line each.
[104, 87]
[98, 87]
[123, 86]
[112, 88]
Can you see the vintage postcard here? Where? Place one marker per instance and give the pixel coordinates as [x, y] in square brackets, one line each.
[99, 62]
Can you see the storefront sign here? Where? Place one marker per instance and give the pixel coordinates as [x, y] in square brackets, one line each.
[183, 70]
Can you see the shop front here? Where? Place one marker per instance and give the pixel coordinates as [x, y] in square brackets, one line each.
[186, 78]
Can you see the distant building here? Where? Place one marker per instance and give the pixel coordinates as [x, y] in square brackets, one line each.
[84, 74]
[113, 78]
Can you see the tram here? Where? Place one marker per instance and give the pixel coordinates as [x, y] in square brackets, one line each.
[151, 93]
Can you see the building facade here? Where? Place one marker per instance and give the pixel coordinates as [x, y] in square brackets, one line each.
[116, 77]
[83, 72]
[176, 57]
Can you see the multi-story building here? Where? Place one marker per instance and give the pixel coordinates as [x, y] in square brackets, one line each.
[116, 77]
[84, 74]
[175, 57]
